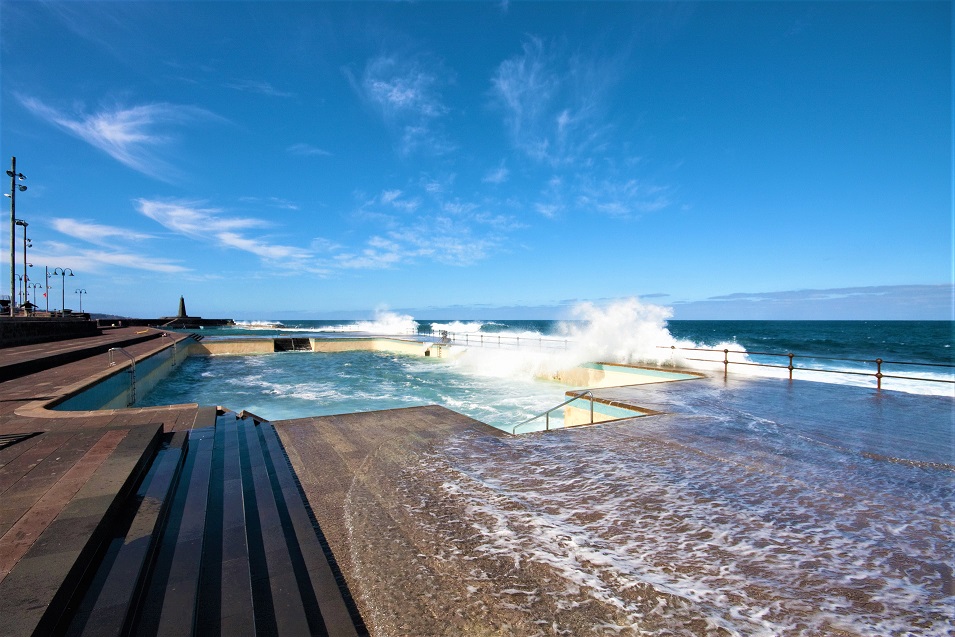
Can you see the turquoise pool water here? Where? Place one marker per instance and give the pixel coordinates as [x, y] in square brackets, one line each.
[298, 384]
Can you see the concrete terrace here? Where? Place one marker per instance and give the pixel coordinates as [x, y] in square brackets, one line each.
[173, 520]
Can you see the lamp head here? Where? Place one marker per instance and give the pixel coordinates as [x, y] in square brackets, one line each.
[22, 187]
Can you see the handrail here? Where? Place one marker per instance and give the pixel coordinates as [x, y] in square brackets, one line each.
[546, 414]
[131, 397]
[174, 348]
[878, 375]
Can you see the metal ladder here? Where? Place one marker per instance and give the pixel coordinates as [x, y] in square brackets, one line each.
[131, 396]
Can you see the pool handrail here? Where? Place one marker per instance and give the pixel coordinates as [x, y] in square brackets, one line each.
[131, 396]
[546, 414]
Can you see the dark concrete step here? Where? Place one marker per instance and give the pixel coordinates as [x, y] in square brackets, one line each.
[315, 573]
[177, 616]
[39, 595]
[217, 540]
[113, 596]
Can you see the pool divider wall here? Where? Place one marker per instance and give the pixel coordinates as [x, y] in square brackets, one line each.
[578, 412]
[601, 375]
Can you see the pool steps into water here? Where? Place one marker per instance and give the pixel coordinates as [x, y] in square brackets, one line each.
[216, 539]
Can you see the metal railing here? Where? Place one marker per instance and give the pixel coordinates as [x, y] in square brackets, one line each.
[546, 414]
[131, 396]
[501, 341]
[877, 374]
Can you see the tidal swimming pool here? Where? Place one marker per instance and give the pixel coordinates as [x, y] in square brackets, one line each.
[300, 384]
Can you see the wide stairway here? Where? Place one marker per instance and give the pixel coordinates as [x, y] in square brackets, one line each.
[216, 540]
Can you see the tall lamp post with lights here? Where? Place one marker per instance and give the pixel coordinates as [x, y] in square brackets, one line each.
[19, 277]
[26, 244]
[63, 272]
[14, 187]
[81, 292]
[34, 287]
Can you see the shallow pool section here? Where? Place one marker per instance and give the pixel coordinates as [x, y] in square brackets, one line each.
[299, 384]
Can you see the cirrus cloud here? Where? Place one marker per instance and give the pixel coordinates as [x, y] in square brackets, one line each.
[133, 136]
[192, 220]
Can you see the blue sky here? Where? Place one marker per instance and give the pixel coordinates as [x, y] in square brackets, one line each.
[484, 160]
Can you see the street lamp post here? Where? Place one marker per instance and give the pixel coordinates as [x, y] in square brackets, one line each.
[19, 277]
[62, 272]
[14, 187]
[26, 244]
[81, 292]
[34, 287]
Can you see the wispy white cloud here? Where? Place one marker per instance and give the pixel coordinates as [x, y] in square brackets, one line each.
[447, 244]
[99, 259]
[551, 102]
[271, 202]
[256, 86]
[268, 251]
[548, 210]
[611, 194]
[497, 176]
[398, 200]
[388, 196]
[189, 219]
[435, 240]
[378, 254]
[434, 226]
[307, 150]
[402, 87]
[133, 136]
[97, 233]
[458, 207]
[406, 92]
[623, 199]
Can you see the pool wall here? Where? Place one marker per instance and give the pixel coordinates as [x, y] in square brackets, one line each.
[115, 390]
[267, 346]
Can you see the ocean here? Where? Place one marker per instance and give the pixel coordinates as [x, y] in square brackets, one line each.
[752, 506]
